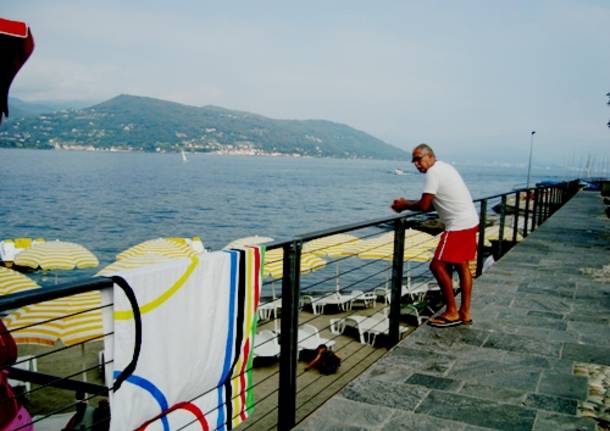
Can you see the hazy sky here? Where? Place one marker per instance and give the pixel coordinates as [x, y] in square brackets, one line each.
[471, 78]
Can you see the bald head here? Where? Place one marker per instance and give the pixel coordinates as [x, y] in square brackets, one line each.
[423, 158]
[424, 149]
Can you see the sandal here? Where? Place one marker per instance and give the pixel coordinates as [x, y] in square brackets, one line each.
[443, 322]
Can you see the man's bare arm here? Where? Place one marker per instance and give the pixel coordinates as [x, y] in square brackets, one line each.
[423, 204]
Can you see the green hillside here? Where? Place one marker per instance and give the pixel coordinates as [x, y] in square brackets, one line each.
[146, 124]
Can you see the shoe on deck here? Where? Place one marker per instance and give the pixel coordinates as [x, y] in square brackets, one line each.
[443, 322]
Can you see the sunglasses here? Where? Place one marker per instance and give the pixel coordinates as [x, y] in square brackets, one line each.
[417, 158]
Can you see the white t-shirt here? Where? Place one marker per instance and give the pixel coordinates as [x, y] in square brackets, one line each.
[452, 199]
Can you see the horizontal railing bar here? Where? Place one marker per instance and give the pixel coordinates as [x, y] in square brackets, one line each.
[53, 319]
[50, 380]
[499, 195]
[309, 236]
[47, 293]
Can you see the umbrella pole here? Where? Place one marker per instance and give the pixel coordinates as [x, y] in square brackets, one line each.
[387, 278]
[338, 285]
[82, 362]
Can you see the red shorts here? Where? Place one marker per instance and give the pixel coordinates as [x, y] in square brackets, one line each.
[457, 246]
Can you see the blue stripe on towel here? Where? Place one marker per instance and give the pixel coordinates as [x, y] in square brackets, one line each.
[149, 387]
[220, 421]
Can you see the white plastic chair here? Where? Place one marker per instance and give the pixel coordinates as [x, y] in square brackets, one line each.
[361, 298]
[344, 302]
[370, 326]
[337, 326]
[415, 291]
[309, 338]
[268, 309]
[266, 344]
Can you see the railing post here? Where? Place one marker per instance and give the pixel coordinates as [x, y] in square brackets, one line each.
[557, 199]
[535, 209]
[542, 207]
[502, 223]
[397, 269]
[538, 207]
[516, 216]
[481, 245]
[527, 212]
[287, 392]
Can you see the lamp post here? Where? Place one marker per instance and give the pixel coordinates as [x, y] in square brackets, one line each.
[529, 165]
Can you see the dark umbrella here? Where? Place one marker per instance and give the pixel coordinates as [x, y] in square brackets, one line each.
[16, 45]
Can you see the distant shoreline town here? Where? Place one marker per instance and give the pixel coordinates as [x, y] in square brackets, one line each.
[240, 151]
[255, 152]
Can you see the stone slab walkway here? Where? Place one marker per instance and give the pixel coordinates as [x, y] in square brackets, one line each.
[535, 315]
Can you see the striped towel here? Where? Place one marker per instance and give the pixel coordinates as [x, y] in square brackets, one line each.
[198, 324]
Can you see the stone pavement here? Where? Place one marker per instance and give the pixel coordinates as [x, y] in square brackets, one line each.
[535, 315]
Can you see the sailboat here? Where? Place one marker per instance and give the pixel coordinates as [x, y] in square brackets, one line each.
[183, 155]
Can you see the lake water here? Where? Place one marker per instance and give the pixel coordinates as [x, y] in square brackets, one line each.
[111, 201]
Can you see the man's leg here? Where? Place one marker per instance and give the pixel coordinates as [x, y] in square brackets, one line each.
[466, 287]
[443, 277]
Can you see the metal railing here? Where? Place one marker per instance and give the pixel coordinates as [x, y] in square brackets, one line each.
[517, 214]
[41, 385]
[544, 201]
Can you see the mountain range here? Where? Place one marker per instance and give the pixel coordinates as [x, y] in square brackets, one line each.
[134, 123]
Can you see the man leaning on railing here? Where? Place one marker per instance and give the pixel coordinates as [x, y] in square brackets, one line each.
[445, 189]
